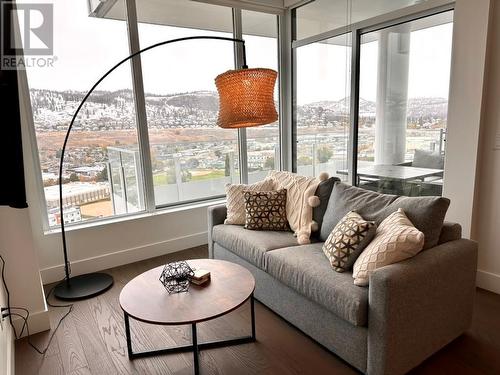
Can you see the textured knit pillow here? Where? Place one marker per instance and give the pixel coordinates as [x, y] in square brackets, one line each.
[298, 208]
[266, 210]
[236, 203]
[396, 240]
[347, 240]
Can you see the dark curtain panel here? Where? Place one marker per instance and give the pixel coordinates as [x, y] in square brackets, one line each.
[12, 188]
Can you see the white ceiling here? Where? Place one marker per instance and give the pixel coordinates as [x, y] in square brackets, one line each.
[189, 14]
[312, 18]
[323, 15]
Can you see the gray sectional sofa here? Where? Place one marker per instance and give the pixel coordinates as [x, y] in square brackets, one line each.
[409, 311]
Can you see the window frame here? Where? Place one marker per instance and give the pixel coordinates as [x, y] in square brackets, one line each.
[357, 29]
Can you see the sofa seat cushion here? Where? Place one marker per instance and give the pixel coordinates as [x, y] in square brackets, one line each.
[306, 270]
[251, 245]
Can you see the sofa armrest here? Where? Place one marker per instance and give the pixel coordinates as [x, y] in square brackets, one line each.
[216, 215]
[419, 305]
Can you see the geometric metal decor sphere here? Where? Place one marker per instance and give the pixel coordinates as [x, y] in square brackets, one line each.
[175, 277]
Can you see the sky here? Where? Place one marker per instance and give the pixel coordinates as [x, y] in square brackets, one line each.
[323, 70]
[86, 47]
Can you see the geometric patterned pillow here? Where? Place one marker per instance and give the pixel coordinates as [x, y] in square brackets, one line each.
[396, 240]
[347, 240]
[266, 210]
[236, 203]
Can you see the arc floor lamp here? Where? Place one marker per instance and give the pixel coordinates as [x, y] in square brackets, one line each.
[246, 98]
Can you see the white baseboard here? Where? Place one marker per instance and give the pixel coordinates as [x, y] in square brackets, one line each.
[118, 258]
[489, 281]
[38, 322]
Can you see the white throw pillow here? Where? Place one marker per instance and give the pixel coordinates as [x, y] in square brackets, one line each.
[396, 239]
[298, 210]
[236, 200]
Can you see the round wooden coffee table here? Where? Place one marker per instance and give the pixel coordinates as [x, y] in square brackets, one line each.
[145, 298]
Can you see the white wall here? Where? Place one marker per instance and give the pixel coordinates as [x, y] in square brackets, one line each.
[19, 250]
[22, 270]
[465, 108]
[487, 214]
[6, 341]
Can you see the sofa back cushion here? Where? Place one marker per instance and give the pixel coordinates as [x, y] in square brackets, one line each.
[426, 213]
[450, 232]
[323, 192]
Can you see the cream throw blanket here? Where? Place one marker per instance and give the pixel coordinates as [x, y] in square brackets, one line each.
[299, 211]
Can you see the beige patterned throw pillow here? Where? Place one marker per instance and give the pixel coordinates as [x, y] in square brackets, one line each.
[265, 210]
[236, 202]
[396, 240]
[347, 240]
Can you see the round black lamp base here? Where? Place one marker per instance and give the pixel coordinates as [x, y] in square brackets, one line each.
[83, 286]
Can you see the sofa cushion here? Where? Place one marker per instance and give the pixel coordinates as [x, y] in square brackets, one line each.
[450, 232]
[251, 245]
[396, 240]
[323, 192]
[236, 202]
[426, 213]
[306, 270]
[266, 210]
[347, 240]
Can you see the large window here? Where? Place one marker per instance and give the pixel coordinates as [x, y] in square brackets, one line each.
[92, 169]
[322, 106]
[404, 82]
[105, 171]
[388, 132]
[260, 32]
[192, 158]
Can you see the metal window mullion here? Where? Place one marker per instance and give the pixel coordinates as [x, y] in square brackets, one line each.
[293, 92]
[286, 98]
[238, 63]
[354, 106]
[140, 106]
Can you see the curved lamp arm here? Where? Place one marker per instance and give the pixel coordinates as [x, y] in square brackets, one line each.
[63, 233]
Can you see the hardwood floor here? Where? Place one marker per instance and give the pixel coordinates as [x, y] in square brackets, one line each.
[91, 340]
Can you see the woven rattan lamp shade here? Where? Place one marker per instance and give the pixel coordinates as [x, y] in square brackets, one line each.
[246, 98]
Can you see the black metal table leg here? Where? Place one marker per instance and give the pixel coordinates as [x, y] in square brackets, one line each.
[196, 351]
[127, 333]
[195, 347]
[252, 316]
